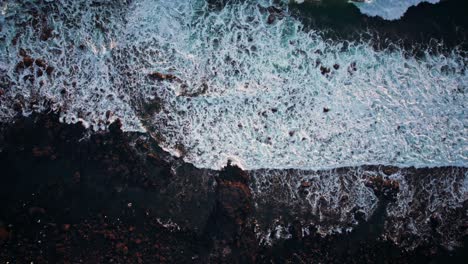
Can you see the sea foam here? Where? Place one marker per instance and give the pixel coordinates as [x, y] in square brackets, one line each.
[261, 92]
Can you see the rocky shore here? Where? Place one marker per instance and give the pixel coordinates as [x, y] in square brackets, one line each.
[71, 196]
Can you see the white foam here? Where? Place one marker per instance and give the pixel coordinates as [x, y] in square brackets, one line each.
[330, 200]
[237, 70]
[389, 9]
[81, 54]
[327, 200]
[246, 90]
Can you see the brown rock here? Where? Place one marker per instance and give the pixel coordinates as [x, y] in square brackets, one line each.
[49, 70]
[39, 152]
[390, 170]
[163, 77]
[121, 248]
[60, 248]
[271, 19]
[4, 234]
[28, 61]
[46, 33]
[234, 199]
[324, 70]
[41, 63]
[382, 186]
[152, 157]
[23, 53]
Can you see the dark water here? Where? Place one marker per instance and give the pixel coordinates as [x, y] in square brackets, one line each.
[424, 25]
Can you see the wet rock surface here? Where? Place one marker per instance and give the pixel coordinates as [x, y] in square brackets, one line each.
[68, 196]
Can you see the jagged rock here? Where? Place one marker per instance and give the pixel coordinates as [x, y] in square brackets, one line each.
[4, 234]
[163, 77]
[40, 152]
[383, 187]
[324, 70]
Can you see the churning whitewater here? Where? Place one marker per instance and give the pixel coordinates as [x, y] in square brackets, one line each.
[234, 83]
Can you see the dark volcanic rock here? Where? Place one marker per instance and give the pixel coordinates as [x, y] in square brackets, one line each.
[229, 228]
[383, 187]
[162, 77]
[118, 197]
[4, 235]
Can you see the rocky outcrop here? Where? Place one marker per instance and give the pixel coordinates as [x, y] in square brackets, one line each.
[68, 196]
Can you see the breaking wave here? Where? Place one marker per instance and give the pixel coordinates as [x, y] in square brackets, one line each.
[244, 83]
[273, 96]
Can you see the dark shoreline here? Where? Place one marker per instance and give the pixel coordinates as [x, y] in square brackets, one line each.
[98, 199]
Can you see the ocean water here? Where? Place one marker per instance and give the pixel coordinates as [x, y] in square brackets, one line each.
[389, 9]
[263, 95]
[255, 94]
[386, 9]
